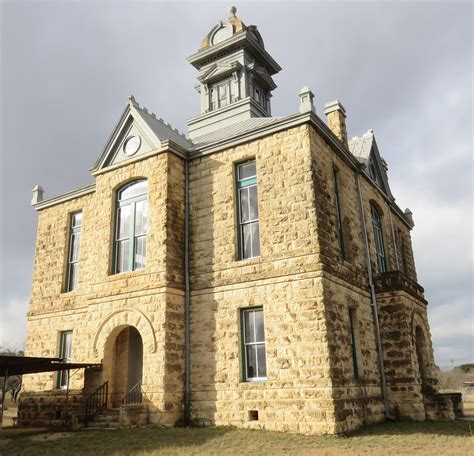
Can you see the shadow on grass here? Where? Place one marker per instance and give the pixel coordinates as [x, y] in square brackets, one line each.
[110, 441]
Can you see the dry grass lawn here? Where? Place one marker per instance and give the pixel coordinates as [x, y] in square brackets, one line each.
[407, 438]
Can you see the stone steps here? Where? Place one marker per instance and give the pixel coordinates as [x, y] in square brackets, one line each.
[108, 418]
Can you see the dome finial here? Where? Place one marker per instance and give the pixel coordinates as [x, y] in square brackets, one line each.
[232, 11]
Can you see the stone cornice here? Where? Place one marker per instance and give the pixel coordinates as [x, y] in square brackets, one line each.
[63, 197]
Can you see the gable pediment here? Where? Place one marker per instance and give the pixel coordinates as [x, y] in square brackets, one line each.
[131, 131]
[217, 71]
[138, 132]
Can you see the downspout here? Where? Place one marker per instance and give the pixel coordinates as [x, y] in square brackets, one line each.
[187, 360]
[394, 240]
[373, 302]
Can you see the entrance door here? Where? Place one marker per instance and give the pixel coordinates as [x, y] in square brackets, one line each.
[128, 355]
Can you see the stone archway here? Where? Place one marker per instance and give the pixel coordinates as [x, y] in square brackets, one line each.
[121, 342]
[421, 352]
[120, 319]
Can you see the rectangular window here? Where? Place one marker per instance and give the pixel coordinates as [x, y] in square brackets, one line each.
[340, 226]
[223, 94]
[403, 256]
[248, 225]
[253, 344]
[379, 244]
[353, 326]
[65, 351]
[73, 254]
[212, 99]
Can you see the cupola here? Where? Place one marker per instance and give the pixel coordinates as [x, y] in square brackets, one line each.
[235, 76]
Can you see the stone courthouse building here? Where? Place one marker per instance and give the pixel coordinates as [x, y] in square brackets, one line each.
[256, 272]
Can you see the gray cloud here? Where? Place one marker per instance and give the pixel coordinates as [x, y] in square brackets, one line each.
[404, 69]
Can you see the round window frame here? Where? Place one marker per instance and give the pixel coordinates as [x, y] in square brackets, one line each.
[127, 141]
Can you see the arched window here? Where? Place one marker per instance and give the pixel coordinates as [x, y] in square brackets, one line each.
[379, 244]
[130, 227]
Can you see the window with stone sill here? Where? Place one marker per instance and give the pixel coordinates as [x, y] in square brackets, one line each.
[354, 330]
[403, 252]
[65, 353]
[379, 242]
[254, 358]
[248, 230]
[340, 224]
[131, 227]
[75, 225]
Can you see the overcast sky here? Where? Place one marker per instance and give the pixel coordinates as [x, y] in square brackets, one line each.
[401, 68]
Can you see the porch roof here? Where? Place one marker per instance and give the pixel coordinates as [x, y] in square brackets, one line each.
[19, 365]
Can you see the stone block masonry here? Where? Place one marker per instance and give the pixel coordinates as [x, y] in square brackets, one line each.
[322, 367]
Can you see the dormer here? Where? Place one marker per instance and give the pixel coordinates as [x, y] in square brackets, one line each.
[235, 76]
[365, 149]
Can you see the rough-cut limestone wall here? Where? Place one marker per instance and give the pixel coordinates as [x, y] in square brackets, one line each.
[357, 402]
[285, 280]
[324, 161]
[400, 314]
[150, 299]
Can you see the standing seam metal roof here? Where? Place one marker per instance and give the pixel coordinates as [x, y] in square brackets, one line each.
[237, 129]
[163, 130]
[361, 146]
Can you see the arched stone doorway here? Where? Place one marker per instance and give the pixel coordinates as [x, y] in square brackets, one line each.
[123, 362]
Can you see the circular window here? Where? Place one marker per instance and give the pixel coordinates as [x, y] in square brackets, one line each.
[131, 146]
[221, 34]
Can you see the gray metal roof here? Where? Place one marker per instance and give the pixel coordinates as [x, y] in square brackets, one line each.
[232, 131]
[361, 146]
[163, 131]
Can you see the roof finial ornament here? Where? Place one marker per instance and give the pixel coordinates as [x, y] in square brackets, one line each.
[232, 12]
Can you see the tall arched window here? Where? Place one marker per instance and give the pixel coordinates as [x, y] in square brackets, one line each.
[131, 226]
[379, 244]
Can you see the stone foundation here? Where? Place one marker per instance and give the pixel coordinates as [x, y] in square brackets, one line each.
[48, 408]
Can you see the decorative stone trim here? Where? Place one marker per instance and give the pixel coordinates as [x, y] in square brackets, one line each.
[119, 320]
[397, 281]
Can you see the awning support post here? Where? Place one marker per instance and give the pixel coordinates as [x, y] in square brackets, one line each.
[4, 387]
[67, 397]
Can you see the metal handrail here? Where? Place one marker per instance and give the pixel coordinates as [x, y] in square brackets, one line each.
[135, 395]
[96, 402]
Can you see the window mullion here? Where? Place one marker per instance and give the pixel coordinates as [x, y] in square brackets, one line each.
[254, 347]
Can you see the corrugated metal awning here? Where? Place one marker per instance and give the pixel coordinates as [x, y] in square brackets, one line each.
[19, 365]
